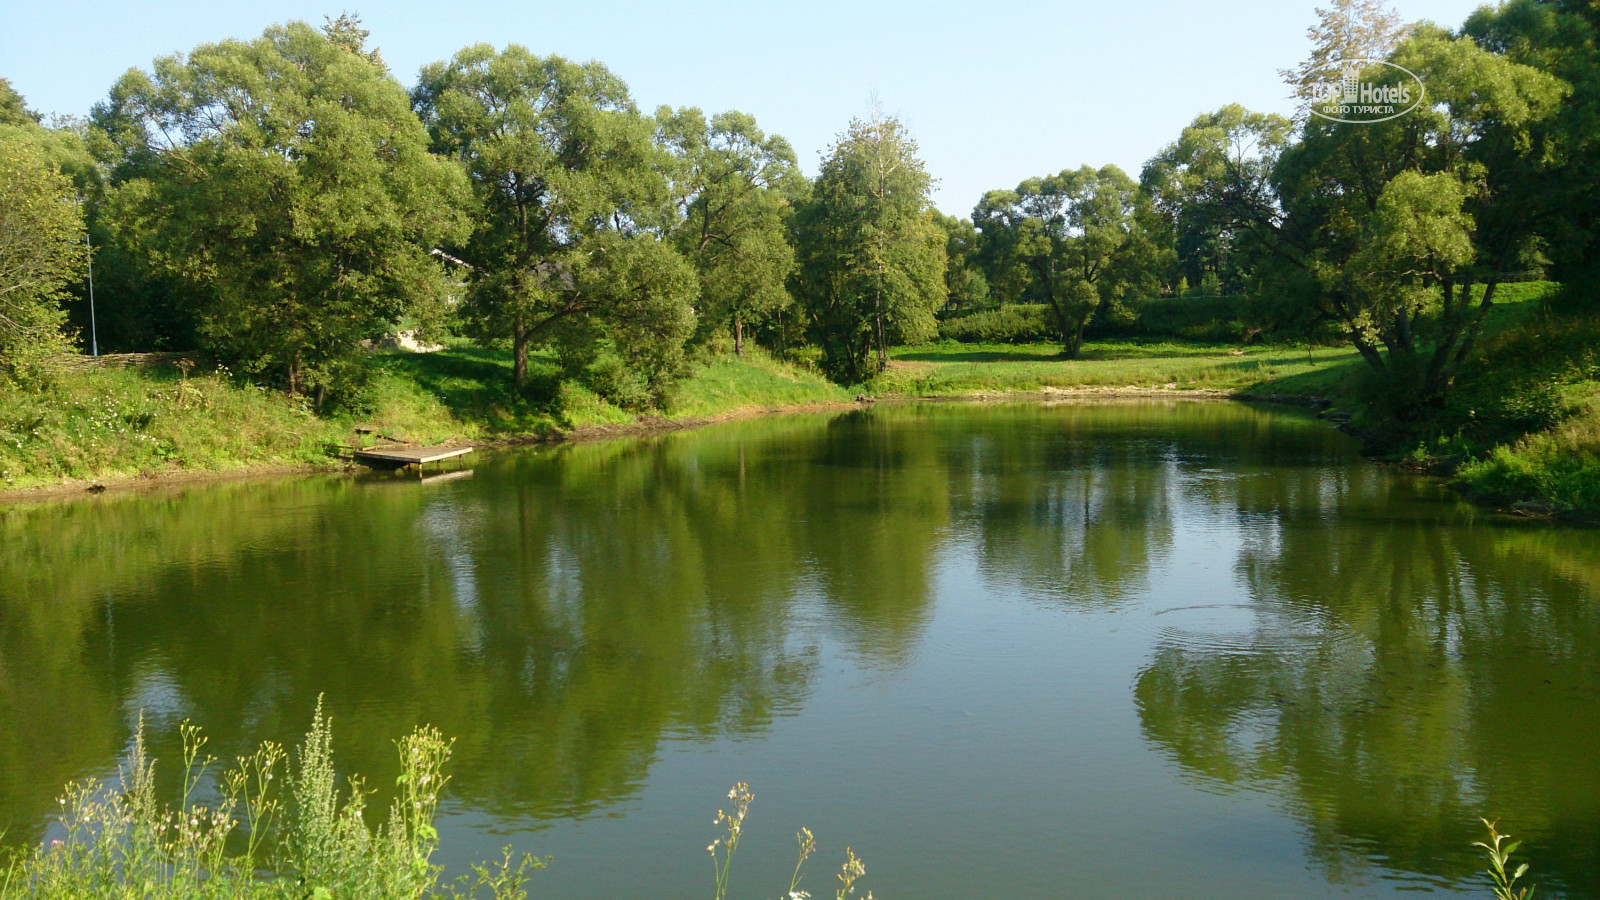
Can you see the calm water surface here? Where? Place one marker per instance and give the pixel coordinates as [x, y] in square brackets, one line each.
[1134, 650]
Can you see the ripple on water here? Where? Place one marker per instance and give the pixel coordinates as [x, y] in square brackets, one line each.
[1241, 628]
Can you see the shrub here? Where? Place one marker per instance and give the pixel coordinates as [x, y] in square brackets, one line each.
[1018, 324]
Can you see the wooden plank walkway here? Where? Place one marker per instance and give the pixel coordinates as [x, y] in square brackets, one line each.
[408, 456]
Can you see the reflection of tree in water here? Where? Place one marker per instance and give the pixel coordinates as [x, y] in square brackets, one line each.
[559, 613]
[875, 498]
[1404, 677]
[1067, 510]
[564, 612]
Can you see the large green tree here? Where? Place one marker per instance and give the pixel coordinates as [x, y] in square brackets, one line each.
[871, 255]
[51, 184]
[1562, 199]
[572, 207]
[285, 184]
[41, 248]
[1211, 192]
[1399, 231]
[1076, 236]
[735, 188]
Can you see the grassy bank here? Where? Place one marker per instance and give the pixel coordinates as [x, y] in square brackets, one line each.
[117, 424]
[952, 369]
[1522, 428]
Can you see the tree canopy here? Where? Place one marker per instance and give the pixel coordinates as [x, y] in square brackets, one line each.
[41, 249]
[872, 256]
[734, 187]
[570, 193]
[285, 183]
[1074, 236]
[277, 201]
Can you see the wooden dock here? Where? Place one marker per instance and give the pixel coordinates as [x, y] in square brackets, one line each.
[399, 457]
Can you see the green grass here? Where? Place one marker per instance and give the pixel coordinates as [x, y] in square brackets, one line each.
[1522, 426]
[951, 369]
[114, 424]
[756, 381]
[276, 825]
[121, 423]
[1555, 470]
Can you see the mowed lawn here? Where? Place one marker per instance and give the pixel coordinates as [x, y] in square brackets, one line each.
[950, 369]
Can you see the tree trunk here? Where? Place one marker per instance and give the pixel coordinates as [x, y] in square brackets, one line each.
[1457, 343]
[883, 356]
[738, 335]
[1369, 353]
[1069, 348]
[519, 351]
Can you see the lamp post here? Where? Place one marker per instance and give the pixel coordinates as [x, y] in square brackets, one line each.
[88, 258]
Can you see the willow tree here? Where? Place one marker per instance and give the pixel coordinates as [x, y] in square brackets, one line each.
[1077, 238]
[285, 184]
[41, 249]
[1401, 231]
[734, 187]
[571, 207]
[871, 253]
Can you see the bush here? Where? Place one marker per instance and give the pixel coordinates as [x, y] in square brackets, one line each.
[617, 383]
[1203, 319]
[1560, 466]
[1019, 324]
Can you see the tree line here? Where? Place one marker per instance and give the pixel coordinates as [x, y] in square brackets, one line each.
[277, 201]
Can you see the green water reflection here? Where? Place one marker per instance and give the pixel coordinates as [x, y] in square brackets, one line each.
[1376, 663]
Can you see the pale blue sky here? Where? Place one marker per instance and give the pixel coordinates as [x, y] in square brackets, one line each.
[992, 95]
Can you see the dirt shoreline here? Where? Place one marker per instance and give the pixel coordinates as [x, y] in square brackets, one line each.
[78, 488]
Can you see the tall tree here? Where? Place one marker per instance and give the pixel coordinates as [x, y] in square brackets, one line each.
[1403, 229]
[1562, 38]
[735, 188]
[286, 184]
[871, 256]
[41, 249]
[1073, 234]
[1211, 187]
[569, 187]
[1347, 30]
[1399, 231]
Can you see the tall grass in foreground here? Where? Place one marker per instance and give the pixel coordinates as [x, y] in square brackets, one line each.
[276, 826]
[733, 823]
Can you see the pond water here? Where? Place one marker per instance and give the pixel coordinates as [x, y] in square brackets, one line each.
[1153, 649]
